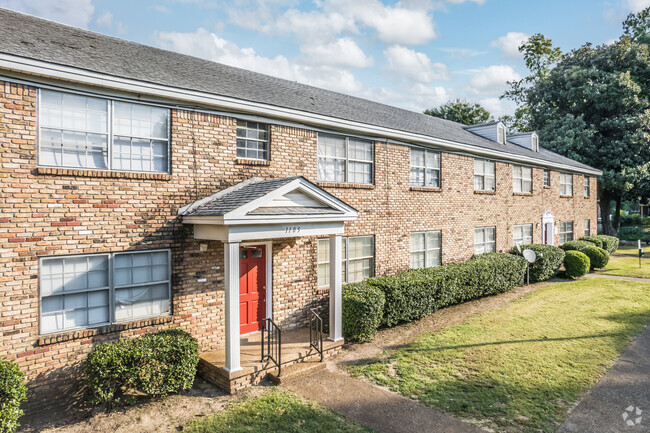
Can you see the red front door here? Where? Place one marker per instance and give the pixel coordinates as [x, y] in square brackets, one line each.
[252, 288]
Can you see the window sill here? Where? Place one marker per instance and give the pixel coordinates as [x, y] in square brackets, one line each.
[77, 172]
[244, 161]
[425, 189]
[547, 187]
[48, 339]
[345, 185]
[481, 192]
[566, 196]
[523, 194]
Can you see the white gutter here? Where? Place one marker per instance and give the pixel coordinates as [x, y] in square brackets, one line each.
[67, 73]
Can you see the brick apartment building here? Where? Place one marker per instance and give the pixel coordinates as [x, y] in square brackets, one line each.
[144, 189]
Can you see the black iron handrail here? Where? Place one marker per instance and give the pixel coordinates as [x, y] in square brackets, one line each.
[272, 350]
[316, 332]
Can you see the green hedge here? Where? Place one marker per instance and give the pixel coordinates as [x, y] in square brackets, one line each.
[576, 245]
[363, 307]
[594, 240]
[419, 292]
[155, 364]
[598, 257]
[12, 392]
[548, 262]
[576, 264]
[610, 243]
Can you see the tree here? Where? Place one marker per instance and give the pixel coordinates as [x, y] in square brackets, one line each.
[594, 107]
[461, 111]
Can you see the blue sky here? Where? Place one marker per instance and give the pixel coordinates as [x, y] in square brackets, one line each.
[413, 54]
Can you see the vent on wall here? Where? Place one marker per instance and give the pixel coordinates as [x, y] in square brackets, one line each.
[495, 131]
[529, 140]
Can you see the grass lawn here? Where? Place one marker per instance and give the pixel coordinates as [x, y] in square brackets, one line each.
[520, 368]
[625, 262]
[276, 411]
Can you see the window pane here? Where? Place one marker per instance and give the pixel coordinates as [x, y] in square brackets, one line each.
[417, 241]
[417, 158]
[417, 260]
[478, 167]
[360, 150]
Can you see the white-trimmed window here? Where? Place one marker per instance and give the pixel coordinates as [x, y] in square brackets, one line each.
[501, 134]
[426, 249]
[84, 291]
[80, 131]
[358, 257]
[587, 227]
[344, 159]
[587, 186]
[425, 168]
[566, 184]
[252, 140]
[522, 179]
[535, 143]
[566, 231]
[485, 240]
[484, 175]
[523, 234]
[547, 178]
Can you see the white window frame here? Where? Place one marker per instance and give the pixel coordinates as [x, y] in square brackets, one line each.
[519, 179]
[110, 134]
[485, 242]
[345, 260]
[587, 187]
[427, 252]
[484, 176]
[566, 231]
[566, 187]
[519, 235]
[111, 288]
[535, 141]
[587, 227]
[501, 134]
[425, 168]
[347, 159]
[266, 142]
[547, 178]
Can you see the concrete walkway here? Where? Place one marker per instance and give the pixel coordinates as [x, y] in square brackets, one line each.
[382, 410]
[611, 406]
[618, 277]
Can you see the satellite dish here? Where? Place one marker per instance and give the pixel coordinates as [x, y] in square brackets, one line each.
[518, 247]
[529, 255]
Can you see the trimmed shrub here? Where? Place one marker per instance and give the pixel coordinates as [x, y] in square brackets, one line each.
[593, 239]
[363, 308]
[549, 260]
[610, 243]
[12, 392]
[598, 257]
[575, 245]
[419, 292]
[155, 364]
[576, 264]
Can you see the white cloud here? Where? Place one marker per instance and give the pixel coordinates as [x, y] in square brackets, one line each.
[462, 53]
[497, 106]
[207, 45]
[76, 13]
[638, 5]
[510, 43]
[106, 20]
[407, 63]
[492, 79]
[343, 52]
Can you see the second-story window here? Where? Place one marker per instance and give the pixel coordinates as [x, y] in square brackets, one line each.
[252, 140]
[522, 179]
[484, 175]
[80, 131]
[566, 184]
[344, 159]
[425, 168]
[587, 187]
[547, 178]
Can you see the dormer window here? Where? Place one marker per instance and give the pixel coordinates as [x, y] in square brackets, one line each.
[535, 143]
[501, 134]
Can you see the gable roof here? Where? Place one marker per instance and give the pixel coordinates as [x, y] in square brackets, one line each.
[47, 41]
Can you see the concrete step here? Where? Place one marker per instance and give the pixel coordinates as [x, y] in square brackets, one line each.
[297, 369]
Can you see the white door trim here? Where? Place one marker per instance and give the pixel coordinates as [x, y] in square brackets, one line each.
[269, 273]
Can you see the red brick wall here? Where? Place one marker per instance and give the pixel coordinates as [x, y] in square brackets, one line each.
[62, 211]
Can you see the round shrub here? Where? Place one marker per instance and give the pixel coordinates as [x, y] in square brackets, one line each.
[575, 245]
[610, 243]
[594, 240]
[155, 364]
[12, 392]
[548, 262]
[363, 308]
[598, 257]
[576, 264]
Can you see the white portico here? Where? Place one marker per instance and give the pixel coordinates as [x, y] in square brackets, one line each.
[246, 217]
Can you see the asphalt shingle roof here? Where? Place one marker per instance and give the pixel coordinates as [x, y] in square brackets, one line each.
[35, 38]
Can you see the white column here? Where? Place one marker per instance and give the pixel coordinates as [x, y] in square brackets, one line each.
[231, 281]
[336, 295]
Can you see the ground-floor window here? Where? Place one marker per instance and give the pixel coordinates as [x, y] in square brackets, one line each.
[358, 257]
[566, 231]
[485, 240]
[426, 249]
[587, 227]
[523, 234]
[91, 290]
